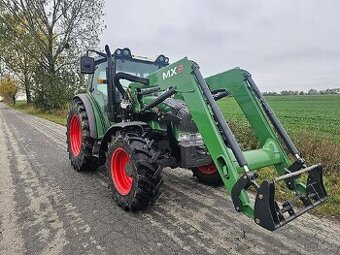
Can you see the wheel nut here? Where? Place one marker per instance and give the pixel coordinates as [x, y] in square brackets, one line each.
[260, 196]
[257, 221]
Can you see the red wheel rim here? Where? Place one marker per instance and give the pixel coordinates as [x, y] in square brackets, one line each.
[75, 135]
[208, 169]
[121, 180]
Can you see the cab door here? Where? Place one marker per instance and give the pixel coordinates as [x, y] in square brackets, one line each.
[98, 90]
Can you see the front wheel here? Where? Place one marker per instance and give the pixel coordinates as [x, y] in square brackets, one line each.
[132, 167]
[207, 174]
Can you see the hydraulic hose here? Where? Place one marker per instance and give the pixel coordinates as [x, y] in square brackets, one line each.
[220, 119]
[128, 77]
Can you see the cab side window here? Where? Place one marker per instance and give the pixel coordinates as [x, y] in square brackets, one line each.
[99, 82]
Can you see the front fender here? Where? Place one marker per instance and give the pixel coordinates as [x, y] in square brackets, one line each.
[113, 129]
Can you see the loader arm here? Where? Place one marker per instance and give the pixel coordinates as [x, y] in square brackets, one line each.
[184, 80]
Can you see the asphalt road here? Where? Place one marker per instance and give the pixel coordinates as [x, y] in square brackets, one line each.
[48, 208]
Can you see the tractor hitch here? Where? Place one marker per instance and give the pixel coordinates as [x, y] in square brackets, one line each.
[267, 212]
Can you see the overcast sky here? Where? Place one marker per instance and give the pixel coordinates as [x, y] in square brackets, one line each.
[285, 44]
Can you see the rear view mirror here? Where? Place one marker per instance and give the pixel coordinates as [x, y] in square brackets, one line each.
[87, 65]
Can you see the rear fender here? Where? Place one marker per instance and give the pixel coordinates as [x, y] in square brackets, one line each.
[90, 114]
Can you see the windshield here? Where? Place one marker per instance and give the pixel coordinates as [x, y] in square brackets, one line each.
[140, 69]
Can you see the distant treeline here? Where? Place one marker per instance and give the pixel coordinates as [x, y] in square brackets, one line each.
[296, 92]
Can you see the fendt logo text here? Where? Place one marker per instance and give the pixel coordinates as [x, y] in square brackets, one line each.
[172, 72]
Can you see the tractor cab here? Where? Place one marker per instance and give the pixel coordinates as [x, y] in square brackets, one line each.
[107, 83]
[122, 62]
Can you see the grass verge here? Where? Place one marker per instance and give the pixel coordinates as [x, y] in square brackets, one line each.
[314, 149]
[58, 116]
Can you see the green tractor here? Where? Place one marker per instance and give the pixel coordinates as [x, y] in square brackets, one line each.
[140, 115]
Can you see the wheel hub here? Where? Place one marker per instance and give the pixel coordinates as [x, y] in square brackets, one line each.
[120, 171]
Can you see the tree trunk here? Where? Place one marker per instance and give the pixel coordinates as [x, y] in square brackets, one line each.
[28, 91]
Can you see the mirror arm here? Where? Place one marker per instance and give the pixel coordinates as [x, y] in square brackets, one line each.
[98, 52]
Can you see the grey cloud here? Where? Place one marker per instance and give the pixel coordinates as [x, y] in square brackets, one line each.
[286, 44]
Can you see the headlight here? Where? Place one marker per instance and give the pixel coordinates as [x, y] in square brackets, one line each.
[189, 137]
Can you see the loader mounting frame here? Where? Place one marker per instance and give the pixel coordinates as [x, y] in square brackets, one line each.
[187, 83]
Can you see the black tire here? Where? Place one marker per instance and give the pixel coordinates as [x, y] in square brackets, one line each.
[143, 169]
[79, 142]
[207, 177]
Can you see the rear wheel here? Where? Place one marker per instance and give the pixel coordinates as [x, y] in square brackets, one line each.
[135, 175]
[207, 174]
[79, 142]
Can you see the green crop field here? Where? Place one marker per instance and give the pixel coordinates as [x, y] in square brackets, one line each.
[319, 115]
[314, 125]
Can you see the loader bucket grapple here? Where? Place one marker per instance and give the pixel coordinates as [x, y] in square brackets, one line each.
[267, 213]
[167, 115]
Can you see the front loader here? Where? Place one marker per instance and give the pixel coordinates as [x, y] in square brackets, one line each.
[140, 115]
